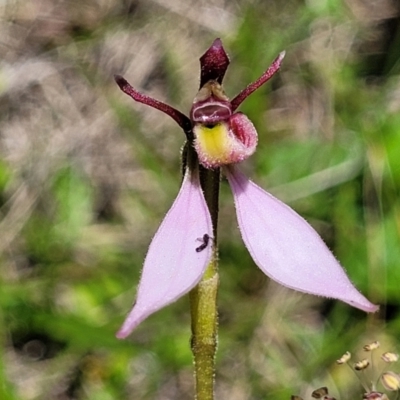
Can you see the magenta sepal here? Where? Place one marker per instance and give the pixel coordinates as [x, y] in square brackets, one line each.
[177, 256]
[286, 248]
[265, 77]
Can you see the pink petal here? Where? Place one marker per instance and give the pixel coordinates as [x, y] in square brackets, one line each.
[173, 266]
[286, 247]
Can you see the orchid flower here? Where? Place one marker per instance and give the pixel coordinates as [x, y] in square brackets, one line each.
[282, 244]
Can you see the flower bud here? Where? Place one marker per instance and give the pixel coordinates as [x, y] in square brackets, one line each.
[390, 381]
[360, 365]
[390, 357]
[371, 346]
[320, 393]
[345, 357]
[375, 396]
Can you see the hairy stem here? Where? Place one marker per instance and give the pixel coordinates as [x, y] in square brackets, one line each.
[203, 300]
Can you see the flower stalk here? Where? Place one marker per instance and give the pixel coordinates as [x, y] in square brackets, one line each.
[203, 298]
[203, 305]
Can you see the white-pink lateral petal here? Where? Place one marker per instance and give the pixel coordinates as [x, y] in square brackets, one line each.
[177, 256]
[286, 247]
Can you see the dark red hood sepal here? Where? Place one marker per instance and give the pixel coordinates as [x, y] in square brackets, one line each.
[213, 63]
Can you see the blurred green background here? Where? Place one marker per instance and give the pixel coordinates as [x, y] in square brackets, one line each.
[86, 176]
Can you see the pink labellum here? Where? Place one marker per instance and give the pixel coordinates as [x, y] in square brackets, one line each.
[245, 133]
[286, 247]
[224, 143]
[178, 254]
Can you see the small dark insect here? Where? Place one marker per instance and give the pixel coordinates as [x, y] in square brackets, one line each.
[205, 239]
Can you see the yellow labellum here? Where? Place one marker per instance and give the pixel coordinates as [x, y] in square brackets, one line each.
[226, 142]
[214, 140]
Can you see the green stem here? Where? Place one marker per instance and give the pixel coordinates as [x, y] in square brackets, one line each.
[203, 300]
